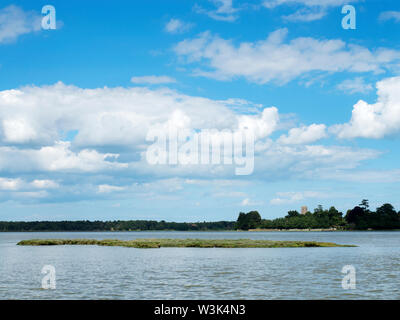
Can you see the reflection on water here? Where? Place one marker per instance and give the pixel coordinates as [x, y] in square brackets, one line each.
[91, 272]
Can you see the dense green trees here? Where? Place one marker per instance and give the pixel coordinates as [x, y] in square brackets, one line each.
[250, 220]
[321, 218]
[117, 225]
[358, 218]
[361, 218]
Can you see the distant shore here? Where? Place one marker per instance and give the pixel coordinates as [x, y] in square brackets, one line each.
[294, 230]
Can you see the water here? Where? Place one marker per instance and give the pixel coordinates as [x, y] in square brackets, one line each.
[91, 272]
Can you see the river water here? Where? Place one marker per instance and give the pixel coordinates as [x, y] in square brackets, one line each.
[92, 272]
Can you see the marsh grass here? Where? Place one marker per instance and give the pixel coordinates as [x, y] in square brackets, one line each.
[181, 243]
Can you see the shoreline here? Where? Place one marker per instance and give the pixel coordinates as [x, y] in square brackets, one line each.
[297, 230]
[202, 231]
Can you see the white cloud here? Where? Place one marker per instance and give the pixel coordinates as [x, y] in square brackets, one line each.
[390, 15]
[18, 131]
[105, 188]
[304, 135]
[152, 80]
[56, 158]
[375, 120]
[248, 202]
[177, 26]
[261, 125]
[356, 85]
[110, 145]
[44, 184]
[15, 22]
[279, 60]
[104, 116]
[10, 184]
[22, 186]
[224, 11]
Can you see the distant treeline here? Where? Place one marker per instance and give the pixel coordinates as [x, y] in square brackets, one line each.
[358, 218]
[131, 225]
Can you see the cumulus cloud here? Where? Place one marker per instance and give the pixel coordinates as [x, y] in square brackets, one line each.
[111, 117]
[375, 120]
[261, 125]
[56, 158]
[177, 26]
[277, 59]
[15, 22]
[107, 152]
[103, 116]
[18, 130]
[34, 120]
[304, 135]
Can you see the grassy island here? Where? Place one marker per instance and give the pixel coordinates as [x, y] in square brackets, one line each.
[181, 243]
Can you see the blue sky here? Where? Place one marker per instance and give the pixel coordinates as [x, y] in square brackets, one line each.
[76, 104]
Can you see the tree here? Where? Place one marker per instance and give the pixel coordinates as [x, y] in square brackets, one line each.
[250, 220]
[355, 215]
[386, 209]
[320, 209]
[364, 205]
[292, 213]
[386, 217]
[335, 217]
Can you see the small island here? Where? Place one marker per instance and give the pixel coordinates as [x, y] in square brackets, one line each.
[182, 243]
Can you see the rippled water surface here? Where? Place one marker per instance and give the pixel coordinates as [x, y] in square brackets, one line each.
[91, 272]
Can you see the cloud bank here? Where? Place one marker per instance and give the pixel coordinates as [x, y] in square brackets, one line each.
[279, 60]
